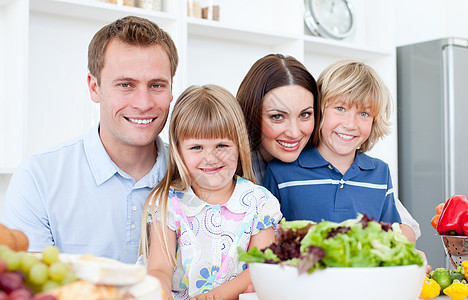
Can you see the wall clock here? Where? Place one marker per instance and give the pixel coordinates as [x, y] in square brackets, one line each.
[329, 18]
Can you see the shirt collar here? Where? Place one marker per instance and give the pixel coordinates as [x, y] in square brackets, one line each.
[192, 205]
[311, 158]
[104, 168]
[99, 161]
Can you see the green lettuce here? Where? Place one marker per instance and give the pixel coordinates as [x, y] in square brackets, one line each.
[359, 242]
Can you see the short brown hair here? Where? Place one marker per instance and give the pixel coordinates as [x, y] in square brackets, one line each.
[355, 83]
[267, 73]
[133, 31]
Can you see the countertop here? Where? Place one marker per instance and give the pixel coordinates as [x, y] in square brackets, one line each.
[253, 296]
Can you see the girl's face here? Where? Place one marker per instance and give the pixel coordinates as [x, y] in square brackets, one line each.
[344, 129]
[211, 164]
[287, 122]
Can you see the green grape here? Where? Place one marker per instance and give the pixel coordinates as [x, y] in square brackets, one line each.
[50, 254]
[69, 277]
[2, 249]
[27, 261]
[12, 259]
[50, 285]
[38, 273]
[57, 271]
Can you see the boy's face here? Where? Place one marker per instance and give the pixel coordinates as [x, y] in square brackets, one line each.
[344, 129]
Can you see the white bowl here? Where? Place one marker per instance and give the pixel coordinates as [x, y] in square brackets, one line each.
[275, 282]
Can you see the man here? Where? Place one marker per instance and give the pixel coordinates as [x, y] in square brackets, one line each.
[86, 196]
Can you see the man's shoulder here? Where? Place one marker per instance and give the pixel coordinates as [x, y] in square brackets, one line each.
[64, 152]
[64, 148]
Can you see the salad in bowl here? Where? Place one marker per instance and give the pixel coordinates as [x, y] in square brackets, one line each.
[355, 259]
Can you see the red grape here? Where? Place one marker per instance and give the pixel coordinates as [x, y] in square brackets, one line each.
[10, 281]
[21, 294]
[3, 295]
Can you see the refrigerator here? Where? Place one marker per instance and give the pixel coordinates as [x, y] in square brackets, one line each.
[432, 114]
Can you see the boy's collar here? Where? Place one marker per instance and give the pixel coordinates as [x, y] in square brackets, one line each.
[311, 158]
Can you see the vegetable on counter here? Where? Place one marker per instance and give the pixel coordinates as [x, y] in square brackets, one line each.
[430, 289]
[444, 281]
[465, 268]
[457, 290]
[442, 277]
[453, 219]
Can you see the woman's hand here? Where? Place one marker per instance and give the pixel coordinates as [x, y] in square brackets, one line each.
[428, 266]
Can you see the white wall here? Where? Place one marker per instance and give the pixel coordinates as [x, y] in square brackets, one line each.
[424, 20]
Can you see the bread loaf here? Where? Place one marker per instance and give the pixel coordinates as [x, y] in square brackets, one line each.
[15, 239]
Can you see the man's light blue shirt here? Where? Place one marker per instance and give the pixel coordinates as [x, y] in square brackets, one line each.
[75, 197]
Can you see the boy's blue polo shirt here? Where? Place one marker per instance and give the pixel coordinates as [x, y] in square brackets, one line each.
[311, 188]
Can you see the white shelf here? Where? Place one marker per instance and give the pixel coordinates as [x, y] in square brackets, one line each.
[216, 30]
[96, 10]
[6, 171]
[342, 49]
[5, 2]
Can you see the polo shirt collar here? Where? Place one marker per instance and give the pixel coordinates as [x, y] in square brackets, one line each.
[159, 169]
[99, 161]
[104, 168]
[363, 161]
[311, 158]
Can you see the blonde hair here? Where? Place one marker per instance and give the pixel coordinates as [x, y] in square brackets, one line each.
[201, 112]
[355, 83]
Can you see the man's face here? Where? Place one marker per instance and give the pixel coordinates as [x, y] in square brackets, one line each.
[134, 94]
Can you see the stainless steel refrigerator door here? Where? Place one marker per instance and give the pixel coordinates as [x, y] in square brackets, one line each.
[455, 59]
[432, 132]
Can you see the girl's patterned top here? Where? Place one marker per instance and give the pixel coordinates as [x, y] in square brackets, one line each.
[208, 235]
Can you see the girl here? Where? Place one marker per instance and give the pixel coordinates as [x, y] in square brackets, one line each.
[207, 205]
[336, 180]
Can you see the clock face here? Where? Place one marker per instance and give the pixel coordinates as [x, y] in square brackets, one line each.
[329, 18]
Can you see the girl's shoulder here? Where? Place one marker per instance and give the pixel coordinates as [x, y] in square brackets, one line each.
[246, 188]
[247, 184]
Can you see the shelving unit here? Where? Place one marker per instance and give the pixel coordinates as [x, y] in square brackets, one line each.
[96, 10]
[43, 63]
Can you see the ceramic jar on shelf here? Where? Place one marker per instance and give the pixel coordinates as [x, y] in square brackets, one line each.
[145, 4]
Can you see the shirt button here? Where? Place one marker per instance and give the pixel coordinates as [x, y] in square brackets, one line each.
[330, 167]
[134, 208]
[133, 226]
[341, 186]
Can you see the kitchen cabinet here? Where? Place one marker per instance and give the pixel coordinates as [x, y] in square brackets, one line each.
[43, 58]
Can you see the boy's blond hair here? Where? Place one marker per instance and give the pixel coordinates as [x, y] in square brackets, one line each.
[355, 83]
[201, 112]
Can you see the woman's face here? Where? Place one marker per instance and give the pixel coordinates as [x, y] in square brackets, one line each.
[287, 122]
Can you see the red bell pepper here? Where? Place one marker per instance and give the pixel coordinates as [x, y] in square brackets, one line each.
[452, 217]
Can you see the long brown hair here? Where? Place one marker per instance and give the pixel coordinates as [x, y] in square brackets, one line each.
[202, 112]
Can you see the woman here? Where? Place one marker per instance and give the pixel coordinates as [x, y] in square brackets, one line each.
[280, 101]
